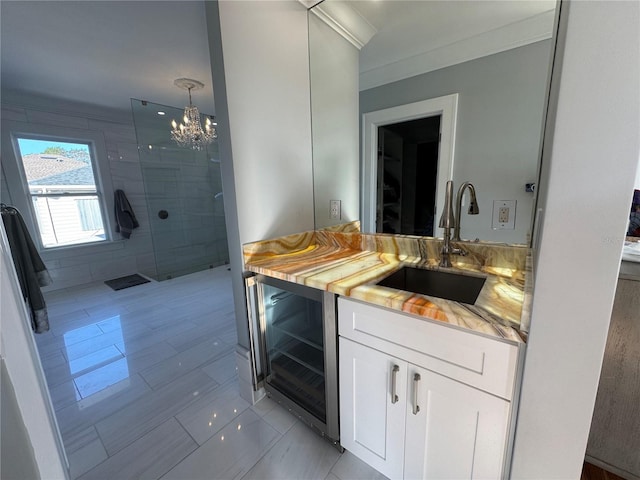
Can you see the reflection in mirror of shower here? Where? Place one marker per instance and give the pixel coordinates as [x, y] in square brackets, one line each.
[185, 183]
[407, 176]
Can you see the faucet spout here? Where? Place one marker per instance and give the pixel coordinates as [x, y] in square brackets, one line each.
[473, 207]
[447, 220]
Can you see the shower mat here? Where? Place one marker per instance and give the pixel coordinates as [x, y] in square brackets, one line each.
[126, 282]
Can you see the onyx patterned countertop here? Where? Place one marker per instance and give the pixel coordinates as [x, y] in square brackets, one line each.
[349, 263]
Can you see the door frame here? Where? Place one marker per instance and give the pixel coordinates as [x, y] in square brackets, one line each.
[445, 106]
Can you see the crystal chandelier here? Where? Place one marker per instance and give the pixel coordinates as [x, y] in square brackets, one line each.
[190, 133]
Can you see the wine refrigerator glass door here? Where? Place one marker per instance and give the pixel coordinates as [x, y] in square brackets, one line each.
[294, 342]
[299, 343]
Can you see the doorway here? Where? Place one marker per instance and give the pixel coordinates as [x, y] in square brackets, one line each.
[436, 115]
[407, 176]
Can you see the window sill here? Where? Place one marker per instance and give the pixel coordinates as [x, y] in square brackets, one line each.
[67, 250]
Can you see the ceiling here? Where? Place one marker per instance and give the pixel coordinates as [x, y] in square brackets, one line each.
[105, 52]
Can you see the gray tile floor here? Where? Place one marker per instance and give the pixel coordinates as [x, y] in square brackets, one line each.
[144, 385]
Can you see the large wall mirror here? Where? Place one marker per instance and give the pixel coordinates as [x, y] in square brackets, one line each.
[372, 61]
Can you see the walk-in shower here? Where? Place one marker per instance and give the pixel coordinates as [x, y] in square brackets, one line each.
[183, 189]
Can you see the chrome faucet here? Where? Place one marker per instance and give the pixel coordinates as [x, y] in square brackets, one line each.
[447, 221]
[473, 207]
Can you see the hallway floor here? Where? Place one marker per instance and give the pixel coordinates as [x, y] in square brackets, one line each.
[144, 384]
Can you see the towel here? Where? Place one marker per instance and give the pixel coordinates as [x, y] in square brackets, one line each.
[125, 218]
[31, 270]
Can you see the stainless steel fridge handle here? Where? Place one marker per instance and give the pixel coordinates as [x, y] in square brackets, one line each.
[416, 386]
[252, 313]
[394, 375]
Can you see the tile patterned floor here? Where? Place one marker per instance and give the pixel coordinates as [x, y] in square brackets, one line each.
[144, 385]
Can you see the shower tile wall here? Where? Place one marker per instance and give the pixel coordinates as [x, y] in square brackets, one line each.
[75, 266]
[185, 183]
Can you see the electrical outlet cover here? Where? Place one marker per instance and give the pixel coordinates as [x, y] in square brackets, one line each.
[334, 209]
[504, 215]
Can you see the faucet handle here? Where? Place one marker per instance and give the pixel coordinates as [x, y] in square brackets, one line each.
[459, 251]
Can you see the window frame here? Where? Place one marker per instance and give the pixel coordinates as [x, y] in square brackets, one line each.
[18, 186]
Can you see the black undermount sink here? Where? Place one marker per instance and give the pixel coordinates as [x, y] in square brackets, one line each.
[450, 286]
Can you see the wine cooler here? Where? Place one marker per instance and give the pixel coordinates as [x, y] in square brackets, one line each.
[296, 340]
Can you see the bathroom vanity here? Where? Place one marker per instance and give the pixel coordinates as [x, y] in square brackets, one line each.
[419, 400]
[428, 385]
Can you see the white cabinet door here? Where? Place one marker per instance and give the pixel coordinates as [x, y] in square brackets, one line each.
[372, 420]
[453, 431]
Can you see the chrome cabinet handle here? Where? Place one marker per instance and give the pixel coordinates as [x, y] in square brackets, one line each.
[416, 383]
[394, 374]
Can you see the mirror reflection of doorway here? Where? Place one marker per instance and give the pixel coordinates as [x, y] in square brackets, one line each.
[444, 109]
[407, 173]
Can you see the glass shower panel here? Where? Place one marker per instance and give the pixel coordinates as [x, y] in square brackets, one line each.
[183, 189]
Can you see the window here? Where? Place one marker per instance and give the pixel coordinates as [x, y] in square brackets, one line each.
[61, 180]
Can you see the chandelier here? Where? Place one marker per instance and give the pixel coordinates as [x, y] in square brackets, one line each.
[190, 133]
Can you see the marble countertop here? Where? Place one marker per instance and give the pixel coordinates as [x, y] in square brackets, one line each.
[350, 263]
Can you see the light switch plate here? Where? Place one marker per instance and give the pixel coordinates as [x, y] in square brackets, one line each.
[504, 215]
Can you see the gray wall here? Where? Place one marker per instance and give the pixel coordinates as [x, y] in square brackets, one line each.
[88, 263]
[500, 108]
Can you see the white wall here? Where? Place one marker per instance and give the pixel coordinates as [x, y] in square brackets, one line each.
[17, 458]
[20, 356]
[335, 123]
[260, 70]
[83, 264]
[266, 66]
[260, 67]
[591, 153]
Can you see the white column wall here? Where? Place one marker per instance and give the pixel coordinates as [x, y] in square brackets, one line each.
[20, 354]
[266, 67]
[260, 69]
[589, 182]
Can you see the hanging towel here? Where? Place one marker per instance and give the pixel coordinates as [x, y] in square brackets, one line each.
[31, 270]
[125, 218]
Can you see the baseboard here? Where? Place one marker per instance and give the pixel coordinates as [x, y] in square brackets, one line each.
[611, 468]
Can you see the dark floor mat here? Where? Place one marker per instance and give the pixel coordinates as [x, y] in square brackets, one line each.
[126, 282]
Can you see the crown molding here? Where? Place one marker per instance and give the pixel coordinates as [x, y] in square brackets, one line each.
[310, 3]
[346, 21]
[517, 34]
